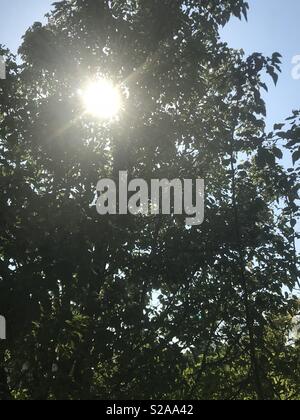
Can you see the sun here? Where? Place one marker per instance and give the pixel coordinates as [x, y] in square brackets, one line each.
[101, 99]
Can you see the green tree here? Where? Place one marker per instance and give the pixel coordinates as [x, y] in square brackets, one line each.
[142, 307]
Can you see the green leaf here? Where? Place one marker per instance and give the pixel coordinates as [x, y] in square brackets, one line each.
[277, 152]
[278, 126]
[293, 223]
[296, 156]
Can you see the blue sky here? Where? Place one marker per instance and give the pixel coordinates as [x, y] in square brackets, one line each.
[16, 16]
[273, 25]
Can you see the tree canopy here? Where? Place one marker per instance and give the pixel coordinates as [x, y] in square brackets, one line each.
[124, 307]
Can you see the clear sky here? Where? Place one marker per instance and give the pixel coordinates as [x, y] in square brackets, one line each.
[16, 16]
[273, 25]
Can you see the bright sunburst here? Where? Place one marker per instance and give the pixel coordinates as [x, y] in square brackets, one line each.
[101, 99]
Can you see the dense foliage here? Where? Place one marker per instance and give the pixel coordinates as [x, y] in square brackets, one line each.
[144, 307]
